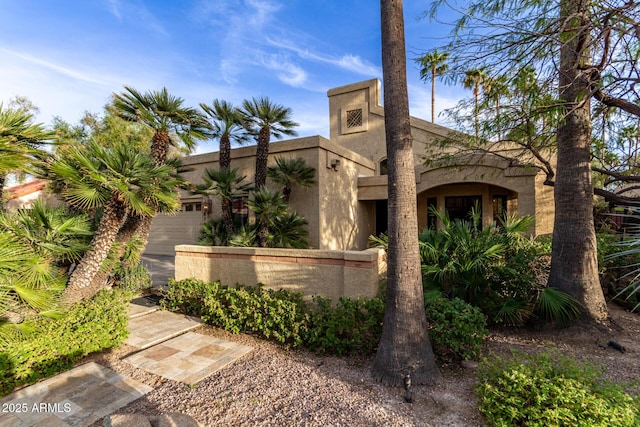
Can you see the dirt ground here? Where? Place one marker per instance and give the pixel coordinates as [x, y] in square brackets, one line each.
[277, 387]
[457, 401]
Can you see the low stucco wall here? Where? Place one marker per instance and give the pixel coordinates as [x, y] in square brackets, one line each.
[331, 274]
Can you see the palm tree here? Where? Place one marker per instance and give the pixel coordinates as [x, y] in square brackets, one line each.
[267, 206]
[53, 232]
[30, 284]
[265, 119]
[290, 172]
[473, 80]
[226, 125]
[172, 124]
[404, 354]
[36, 246]
[574, 263]
[20, 140]
[227, 185]
[119, 181]
[432, 65]
[495, 89]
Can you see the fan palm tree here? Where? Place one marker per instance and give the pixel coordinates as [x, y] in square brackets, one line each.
[29, 284]
[473, 80]
[290, 172]
[20, 140]
[119, 181]
[265, 119]
[172, 124]
[226, 185]
[432, 65]
[53, 232]
[226, 125]
[495, 89]
[404, 354]
[267, 206]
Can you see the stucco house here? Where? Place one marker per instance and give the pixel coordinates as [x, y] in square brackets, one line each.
[348, 201]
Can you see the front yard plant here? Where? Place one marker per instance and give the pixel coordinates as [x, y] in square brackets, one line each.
[55, 344]
[348, 326]
[549, 390]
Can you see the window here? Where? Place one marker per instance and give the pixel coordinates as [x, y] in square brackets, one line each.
[384, 170]
[240, 210]
[459, 207]
[432, 219]
[354, 118]
[499, 203]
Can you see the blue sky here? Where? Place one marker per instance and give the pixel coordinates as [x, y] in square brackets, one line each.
[69, 56]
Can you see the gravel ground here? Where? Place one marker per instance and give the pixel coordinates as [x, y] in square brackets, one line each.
[276, 387]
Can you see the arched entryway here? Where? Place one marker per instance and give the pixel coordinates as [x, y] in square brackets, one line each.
[458, 199]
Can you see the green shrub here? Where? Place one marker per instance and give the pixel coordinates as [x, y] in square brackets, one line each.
[89, 326]
[277, 315]
[549, 390]
[455, 326]
[134, 279]
[352, 326]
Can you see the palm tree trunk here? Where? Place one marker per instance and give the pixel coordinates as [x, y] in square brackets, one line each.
[225, 152]
[227, 218]
[262, 156]
[433, 94]
[404, 351]
[79, 286]
[225, 164]
[574, 264]
[160, 147]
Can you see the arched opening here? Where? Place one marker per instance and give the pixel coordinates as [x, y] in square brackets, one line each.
[382, 167]
[491, 201]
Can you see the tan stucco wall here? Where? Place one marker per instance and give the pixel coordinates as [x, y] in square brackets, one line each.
[339, 207]
[313, 272]
[484, 175]
[330, 205]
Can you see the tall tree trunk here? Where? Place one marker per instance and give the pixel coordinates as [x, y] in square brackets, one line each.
[79, 286]
[160, 147]
[262, 156]
[433, 94]
[227, 218]
[225, 152]
[574, 264]
[225, 164]
[404, 350]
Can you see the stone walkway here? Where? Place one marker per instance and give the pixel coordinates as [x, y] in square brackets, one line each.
[85, 394]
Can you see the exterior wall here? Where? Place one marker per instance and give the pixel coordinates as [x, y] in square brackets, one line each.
[339, 207]
[331, 274]
[330, 205]
[476, 175]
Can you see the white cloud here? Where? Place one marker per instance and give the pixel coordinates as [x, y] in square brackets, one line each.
[114, 8]
[349, 62]
[288, 73]
[74, 74]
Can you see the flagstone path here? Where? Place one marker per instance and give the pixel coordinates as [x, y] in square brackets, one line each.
[85, 394]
